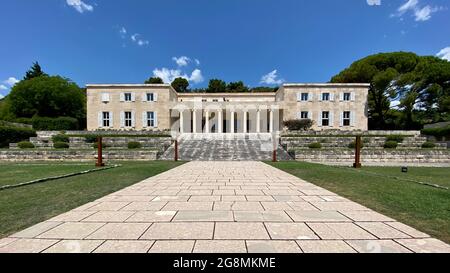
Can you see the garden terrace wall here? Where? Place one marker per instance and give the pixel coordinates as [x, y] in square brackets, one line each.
[76, 155]
[347, 156]
[351, 133]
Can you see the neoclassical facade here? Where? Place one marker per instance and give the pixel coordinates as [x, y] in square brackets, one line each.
[156, 107]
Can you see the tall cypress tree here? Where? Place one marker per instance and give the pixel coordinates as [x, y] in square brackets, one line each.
[34, 72]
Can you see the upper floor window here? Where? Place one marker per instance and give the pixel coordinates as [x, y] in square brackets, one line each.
[105, 97]
[150, 97]
[128, 96]
[325, 118]
[304, 97]
[215, 100]
[346, 116]
[346, 96]
[106, 119]
[325, 96]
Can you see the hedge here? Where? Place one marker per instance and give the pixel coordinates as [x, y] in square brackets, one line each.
[396, 138]
[14, 134]
[25, 145]
[134, 145]
[51, 124]
[298, 124]
[390, 144]
[61, 145]
[315, 145]
[60, 138]
[437, 132]
[428, 145]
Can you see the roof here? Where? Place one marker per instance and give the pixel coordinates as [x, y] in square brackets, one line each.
[326, 85]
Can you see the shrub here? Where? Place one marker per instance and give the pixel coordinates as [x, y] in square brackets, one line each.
[315, 145]
[428, 145]
[439, 133]
[298, 124]
[396, 138]
[134, 145]
[390, 144]
[61, 145]
[10, 134]
[25, 145]
[54, 124]
[60, 138]
[90, 138]
[352, 145]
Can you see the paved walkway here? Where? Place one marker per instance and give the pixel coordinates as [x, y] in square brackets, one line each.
[222, 207]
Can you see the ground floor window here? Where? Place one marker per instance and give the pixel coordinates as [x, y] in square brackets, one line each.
[128, 119]
[150, 119]
[346, 118]
[325, 118]
[106, 119]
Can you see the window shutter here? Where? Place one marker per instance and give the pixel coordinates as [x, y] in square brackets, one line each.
[331, 96]
[100, 119]
[310, 96]
[320, 96]
[320, 119]
[122, 119]
[133, 97]
[341, 119]
[122, 97]
[299, 96]
[155, 117]
[133, 119]
[352, 96]
[299, 115]
[111, 119]
[144, 97]
[308, 115]
[144, 119]
[341, 96]
[352, 119]
[155, 97]
[105, 97]
[331, 119]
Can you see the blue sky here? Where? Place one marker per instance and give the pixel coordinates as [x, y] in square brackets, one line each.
[262, 42]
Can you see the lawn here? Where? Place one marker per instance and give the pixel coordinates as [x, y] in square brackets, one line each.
[15, 173]
[25, 206]
[388, 191]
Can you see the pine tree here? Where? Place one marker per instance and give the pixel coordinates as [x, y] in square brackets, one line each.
[34, 72]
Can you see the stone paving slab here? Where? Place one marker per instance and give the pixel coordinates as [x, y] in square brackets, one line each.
[233, 207]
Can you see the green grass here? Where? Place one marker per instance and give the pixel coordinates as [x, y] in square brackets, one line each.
[388, 191]
[15, 173]
[25, 206]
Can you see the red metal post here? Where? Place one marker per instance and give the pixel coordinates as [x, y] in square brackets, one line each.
[357, 163]
[274, 156]
[176, 150]
[100, 153]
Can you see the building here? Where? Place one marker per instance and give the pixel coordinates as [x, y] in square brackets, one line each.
[157, 107]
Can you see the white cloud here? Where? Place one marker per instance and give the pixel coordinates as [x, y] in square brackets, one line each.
[374, 2]
[197, 61]
[271, 78]
[181, 61]
[420, 14]
[3, 87]
[80, 6]
[168, 75]
[11, 81]
[444, 53]
[123, 32]
[139, 41]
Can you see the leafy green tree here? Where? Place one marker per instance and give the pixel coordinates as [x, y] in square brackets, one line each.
[217, 86]
[420, 83]
[47, 96]
[34, 72]
[238, 87]
[180, 84]
[154, 80]
[260, 89]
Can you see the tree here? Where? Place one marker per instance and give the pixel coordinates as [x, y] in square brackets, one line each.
[47, 96]
[420, 83]
[34, 72]
[154, 80]
[237, 87]
[180, 84]
[217, 86]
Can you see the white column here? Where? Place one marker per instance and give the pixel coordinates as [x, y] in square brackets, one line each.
[244, 125]
[181, 122]
[194, 121]
[220, 121]
[232, 122]
[271, 121]
[258, 121]
[207, 121]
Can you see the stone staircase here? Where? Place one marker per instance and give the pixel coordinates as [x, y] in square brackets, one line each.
[225, 147]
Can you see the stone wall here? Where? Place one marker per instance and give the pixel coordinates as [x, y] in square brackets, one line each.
[75, 155]
[374, 156]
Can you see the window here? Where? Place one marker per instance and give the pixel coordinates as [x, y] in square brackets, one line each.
[304, 97]
[204, 100]
[127, 96]
[325, 96]
[105, 97]
[150, 119]
[105, 119]
[150, 97]
[304, 115]
[128, 119]
[325, 118]
[346, 118]
[347, 97]
[215, 100]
